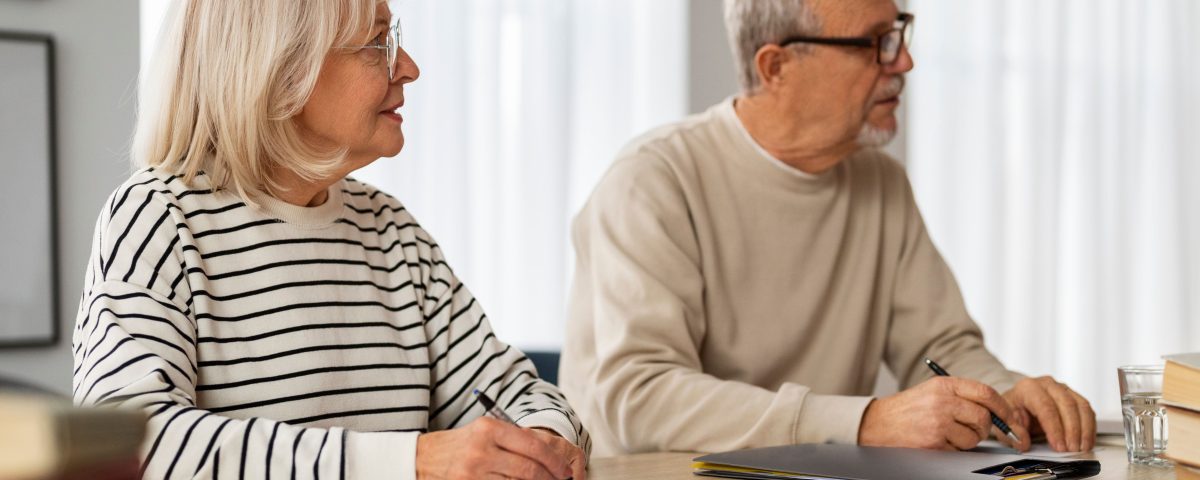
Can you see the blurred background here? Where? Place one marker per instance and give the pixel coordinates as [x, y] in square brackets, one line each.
[1049, 144]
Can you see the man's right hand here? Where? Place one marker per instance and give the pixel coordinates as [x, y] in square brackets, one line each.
[944, 413]
[488, 448]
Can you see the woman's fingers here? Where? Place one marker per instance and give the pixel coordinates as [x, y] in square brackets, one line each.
[527, 444]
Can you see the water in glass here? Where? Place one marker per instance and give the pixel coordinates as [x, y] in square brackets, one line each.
[1145, 428]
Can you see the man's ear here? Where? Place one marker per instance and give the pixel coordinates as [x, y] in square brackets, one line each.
[768, 62]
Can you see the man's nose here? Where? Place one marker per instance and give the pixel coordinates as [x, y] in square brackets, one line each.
[903, 63]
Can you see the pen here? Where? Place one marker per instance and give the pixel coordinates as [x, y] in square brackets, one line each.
[496, 411]
[995, 420]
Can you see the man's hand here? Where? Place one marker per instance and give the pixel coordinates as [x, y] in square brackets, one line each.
[491, 449]
[565, 449]
[1064, 416]
[944, 413]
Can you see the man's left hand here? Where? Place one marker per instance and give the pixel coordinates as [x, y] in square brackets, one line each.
[1064, 416]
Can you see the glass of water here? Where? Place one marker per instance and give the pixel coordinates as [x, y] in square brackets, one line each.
[1145, 418]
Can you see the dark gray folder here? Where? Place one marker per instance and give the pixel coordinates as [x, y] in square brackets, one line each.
[851, 462]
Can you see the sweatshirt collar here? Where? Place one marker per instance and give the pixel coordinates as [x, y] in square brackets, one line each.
[310, 217]
[758, 161]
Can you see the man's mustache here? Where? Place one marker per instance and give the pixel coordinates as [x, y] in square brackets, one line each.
[892, 88]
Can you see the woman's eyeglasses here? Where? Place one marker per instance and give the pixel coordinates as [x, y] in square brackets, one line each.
[388, 44]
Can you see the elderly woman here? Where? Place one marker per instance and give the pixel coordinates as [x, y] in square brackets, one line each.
[272, 316]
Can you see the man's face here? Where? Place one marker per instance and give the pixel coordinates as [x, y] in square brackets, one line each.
[844, 91]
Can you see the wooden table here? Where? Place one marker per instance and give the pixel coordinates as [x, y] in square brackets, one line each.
[678, 466]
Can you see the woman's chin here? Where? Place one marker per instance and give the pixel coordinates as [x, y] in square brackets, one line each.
[395, 151]
[392, 148]
[369, 156]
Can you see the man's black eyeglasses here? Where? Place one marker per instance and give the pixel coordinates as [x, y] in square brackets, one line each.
[888, 44]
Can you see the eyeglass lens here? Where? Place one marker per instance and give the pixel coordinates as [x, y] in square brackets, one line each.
[889, 47]
[891, 43]
[394, 44]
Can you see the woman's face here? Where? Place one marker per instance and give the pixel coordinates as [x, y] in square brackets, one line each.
[353, 105]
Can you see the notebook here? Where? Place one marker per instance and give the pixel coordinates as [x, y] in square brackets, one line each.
[850, 462]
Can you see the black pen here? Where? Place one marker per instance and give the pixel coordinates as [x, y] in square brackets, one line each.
[492, 408]
[995, 420]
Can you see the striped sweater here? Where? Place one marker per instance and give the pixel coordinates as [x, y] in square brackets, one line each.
[286, 342]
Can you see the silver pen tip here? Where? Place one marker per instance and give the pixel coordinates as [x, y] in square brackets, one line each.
[1012, 436]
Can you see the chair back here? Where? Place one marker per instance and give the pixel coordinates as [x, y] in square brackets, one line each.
[546, 363]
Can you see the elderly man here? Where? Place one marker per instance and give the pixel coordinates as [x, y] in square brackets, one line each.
[742, 274]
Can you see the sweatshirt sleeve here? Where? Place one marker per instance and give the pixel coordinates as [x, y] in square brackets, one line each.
[639, 260]
[134, 346]
[929, 317]
[466, 355]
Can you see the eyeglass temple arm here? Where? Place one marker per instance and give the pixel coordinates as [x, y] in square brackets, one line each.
[852, 42]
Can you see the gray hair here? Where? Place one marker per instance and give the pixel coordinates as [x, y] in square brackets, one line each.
[754, 23]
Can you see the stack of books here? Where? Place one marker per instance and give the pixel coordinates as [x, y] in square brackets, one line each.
[43, 437]
[1181, 395]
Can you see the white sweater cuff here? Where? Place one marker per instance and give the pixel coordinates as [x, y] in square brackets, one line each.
[553, 420]
[381, 455]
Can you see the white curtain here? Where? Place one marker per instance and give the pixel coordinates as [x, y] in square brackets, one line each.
[1052, 149]
[520, 107]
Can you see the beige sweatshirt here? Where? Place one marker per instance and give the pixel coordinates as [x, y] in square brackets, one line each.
[723, 301]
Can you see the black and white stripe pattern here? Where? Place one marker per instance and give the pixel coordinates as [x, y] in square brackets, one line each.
[267, 348]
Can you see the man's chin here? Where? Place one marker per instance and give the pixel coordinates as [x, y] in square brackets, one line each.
[872, 136]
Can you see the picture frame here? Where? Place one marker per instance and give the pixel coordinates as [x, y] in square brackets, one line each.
[29, 297]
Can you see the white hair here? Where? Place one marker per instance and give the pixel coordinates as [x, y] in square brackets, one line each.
[220, 93]
[870, 135]
[754, 23]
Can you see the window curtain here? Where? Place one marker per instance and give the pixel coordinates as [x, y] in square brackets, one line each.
[1051, 146]
[520, 108]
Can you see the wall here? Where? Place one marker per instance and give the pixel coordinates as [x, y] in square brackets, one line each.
[711, 73]
[96, 44]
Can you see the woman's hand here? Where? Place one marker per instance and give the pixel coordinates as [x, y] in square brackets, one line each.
[489, 448]
[565, 449]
